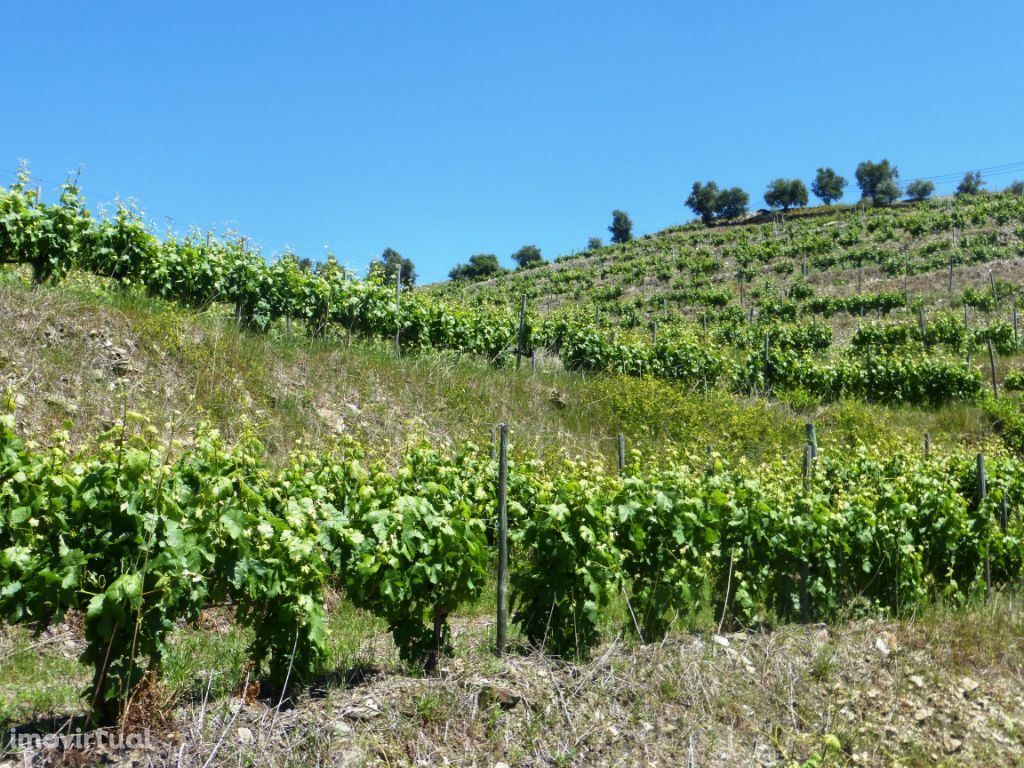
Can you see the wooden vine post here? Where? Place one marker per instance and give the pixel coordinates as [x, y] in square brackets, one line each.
[906, 276]
[398, 310]
[1016, 328]
[992, 368]
[867, 374]
[502, 618]
[810, 451]
[967, 334]
[521, 339]
[982, 493]
[238, 301]
[620, 452]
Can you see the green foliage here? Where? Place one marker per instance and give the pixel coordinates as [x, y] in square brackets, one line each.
[122, 249]
[828, 186]
[1007, 414]
[703, 200]
[140, 541]
[202, 271]
[528, 256]
[877, 181]
[388, 265]
[801, 290]
[594, 244]
[480, 267]
[139, 544]
[887, 192]
[49, 237]
[621, 227]
[417, 548]
[732, 203]
[970, 184]
[668, 547]
[1014, 380]
[978, 298]
[566, 565]
[19, 216]
[919, 190]
[786, 194]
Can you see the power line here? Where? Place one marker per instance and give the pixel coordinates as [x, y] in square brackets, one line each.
[995, 170]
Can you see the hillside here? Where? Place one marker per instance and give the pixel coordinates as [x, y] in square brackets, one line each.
[808, 307]
[802, 256]
[728, 597]
[80, 355]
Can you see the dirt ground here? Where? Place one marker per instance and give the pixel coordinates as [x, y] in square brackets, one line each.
[944, 689]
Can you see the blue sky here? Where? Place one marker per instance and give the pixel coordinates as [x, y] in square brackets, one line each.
[452, 128]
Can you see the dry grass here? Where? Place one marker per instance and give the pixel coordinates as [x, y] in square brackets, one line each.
[943, 688]
[80, 356]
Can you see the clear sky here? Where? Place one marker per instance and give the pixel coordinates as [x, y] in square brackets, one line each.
[445, 129]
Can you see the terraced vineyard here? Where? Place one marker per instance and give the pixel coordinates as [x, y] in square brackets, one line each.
[742, 321]
[807, 263]
[142, 533]
[139, 541]
[796, 304]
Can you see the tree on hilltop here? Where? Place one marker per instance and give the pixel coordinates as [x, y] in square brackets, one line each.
[703, 200]
[786, 194]
[970, 184]
[480, 267]
[919, 190]
[621, 227]
[710, 202]
[828, 186]
[527, 256]
[878, 181]
[732, 203]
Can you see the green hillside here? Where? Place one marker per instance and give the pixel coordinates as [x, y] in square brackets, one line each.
[912, 303]
[227, 480]
[778, 264]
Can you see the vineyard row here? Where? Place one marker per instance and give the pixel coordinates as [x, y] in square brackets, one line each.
[142, 535]
[198, 272]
